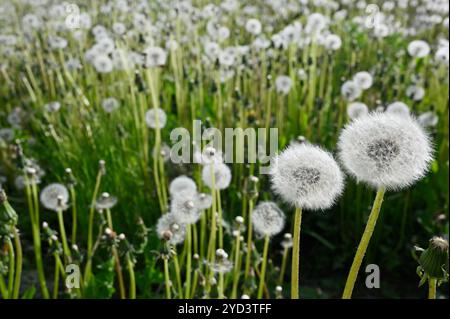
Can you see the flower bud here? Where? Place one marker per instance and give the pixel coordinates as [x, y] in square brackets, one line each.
[434, 259]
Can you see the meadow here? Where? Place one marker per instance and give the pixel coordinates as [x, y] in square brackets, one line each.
[93, 205]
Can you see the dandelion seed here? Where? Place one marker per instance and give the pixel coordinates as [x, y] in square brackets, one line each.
[155, 56]
[418, 49]
[306, 176]
[182, 184]
[267, 219]
[283, 84]
[357, 109]
[399, 108]
[384, 149]
[54, 197]
[156, 118]
[106, 201]
[428, 119]
[222, 175]
[110, 104]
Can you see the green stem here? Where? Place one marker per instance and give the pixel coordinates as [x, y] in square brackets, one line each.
[62, 229]
[18, 273]
[283, 265]
[296, 254]
[90, 240]
[237, 267]
[178, 275]
[12, 261]
[74, 215]
[249, 239]
[56, 280]
[432, 283]
[132, 292]
[263, 267]
[167, 278]
[188, 260]
[361, 251]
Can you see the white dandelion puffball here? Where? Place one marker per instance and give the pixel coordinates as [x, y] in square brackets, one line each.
[415, 93]
[283, 84]
[399, 108]
[268, 219]
[418, 49]
[182, 184]
[155, 56]
[428, 119]
[54, 196]
[110, 104]
[333, 42]
[106, 201]
[350, 90]
[156, 118]
[253, 26]
[307, 176]
[183, 208]
[357, 109]
[363, 79]
[203, 201]
[384, 149]
[103, 64]
[221, 174]
[168, 227]
[52, 107]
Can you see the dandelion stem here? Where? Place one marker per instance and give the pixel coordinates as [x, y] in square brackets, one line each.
[74, 215]
[432, 283]
[56, 279]
[87, 271]
[249, 239]
[178, 275]
[18, 273]
[283, 265]
[263, 267]
[12, 261]
[237, 266]
[296, 254]
[167, 278]
[360, 252]
[188, 259]
[130, 264]
[62, 230]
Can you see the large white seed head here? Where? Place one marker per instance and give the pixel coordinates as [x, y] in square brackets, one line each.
[216, 176]
[169, 224]
[385, 149]
[307, 176]
[54, 196]
[267, 219]
[181, 184]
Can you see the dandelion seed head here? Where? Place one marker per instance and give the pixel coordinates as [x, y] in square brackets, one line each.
[398, 108]
[155, 118]
[216, 176]
[385, 149]
[268, 219]
[350, 90]
[283, 84]
[54, 196]
[169, 228]
[415, 92]
[418, 49]
[102, 63]
[110, 104]
[428, 119]
[203, 201]
[307, 176]
[253, 26]
[106, 201]
[183, 207]
[155, 56]
[182, 184]
[363, 79]
[357, 109]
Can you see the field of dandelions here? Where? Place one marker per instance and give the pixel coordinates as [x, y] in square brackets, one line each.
[92, 206]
